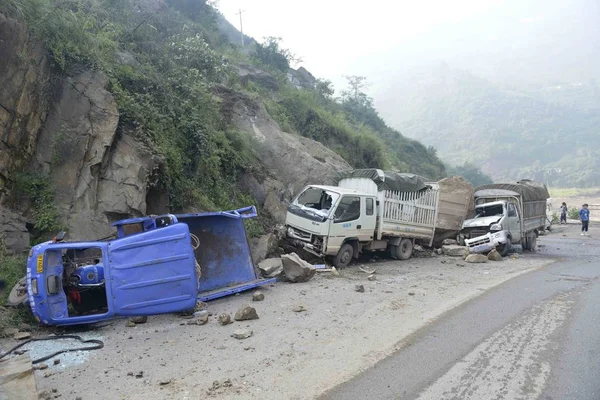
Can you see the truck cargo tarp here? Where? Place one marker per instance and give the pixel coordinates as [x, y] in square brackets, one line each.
[387, 180]
[529, 190]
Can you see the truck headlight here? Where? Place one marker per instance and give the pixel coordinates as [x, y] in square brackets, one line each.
[290, 232]
[496, 227]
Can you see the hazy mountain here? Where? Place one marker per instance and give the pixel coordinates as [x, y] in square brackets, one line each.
[552, 133]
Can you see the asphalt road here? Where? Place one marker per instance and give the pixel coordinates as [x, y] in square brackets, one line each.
[534, 337]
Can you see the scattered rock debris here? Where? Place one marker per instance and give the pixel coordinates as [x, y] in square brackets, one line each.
[57, 361]
[296, 269]
[298, 308]
[245, 313]
[40, 366]
[22, 335]
[200, 318]
[359, 288]
[476, 259]
[139, 320]
[225, 319]
[494, 256]
[164, 382]
[130, 324]
[242, 334]
[258, 296]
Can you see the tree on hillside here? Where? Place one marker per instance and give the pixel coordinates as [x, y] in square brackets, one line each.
[359, 104]
[270, 53]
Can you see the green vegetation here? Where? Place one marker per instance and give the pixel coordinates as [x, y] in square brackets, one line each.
[37, 190]
[573, 213]
[573, 192]
[164, 61]
[12, 268]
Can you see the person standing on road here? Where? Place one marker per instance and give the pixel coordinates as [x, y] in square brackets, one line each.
[584, 216]
[563, 213]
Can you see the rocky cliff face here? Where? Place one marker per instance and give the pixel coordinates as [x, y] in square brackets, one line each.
[101, 173]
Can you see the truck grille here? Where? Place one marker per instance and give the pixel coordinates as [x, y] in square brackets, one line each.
[301, 234]
[475, 233]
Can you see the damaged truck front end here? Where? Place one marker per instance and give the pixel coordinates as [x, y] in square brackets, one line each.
[307, 219]
[485, 231]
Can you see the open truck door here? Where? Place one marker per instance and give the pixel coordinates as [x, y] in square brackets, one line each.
[153, 272]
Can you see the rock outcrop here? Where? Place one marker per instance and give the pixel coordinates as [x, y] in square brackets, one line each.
[13, 234]
[24, 97]
[98, 177]
[290, 161]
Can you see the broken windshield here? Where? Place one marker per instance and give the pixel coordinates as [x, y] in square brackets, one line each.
[489, 211]
[314, 203]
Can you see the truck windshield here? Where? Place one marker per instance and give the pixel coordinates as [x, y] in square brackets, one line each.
[314, 203]
[489, 211]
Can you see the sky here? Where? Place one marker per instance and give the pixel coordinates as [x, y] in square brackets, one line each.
[512, 41]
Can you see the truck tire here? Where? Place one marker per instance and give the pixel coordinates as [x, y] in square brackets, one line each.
[504, 249]
[404, 249]
[18, 295]
[344, 256]
[532, 242]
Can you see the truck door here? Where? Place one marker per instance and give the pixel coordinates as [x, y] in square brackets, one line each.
[347, 222]
[153, 272]
[368, 220]
[514, 223]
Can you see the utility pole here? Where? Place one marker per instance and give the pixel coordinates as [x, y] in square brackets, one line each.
[241, 26]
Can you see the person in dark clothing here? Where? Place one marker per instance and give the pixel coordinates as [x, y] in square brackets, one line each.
[584, 216]
[563, 213]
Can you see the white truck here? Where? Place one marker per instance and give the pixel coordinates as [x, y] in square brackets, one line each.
[506, 213]
[369, 210]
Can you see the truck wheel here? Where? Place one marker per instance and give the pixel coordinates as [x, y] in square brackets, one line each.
[344, 256]
[405, 249]
[504, 249]
[532, 242]
[18, 294]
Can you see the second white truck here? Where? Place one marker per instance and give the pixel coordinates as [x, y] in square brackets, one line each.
[369, 210]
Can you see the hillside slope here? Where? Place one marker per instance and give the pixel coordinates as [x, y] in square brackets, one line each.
[509, 134]
[117, 109]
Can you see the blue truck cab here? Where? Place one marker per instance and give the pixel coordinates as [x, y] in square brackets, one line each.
[149, 268]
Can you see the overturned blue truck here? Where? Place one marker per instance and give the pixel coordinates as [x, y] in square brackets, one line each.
[155, 265]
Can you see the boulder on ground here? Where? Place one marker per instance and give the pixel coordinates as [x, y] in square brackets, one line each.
[245, 313]
[455, 250]
[449, 242]
[494, 256]
[296, 269]
[476, 258]
[271, 267]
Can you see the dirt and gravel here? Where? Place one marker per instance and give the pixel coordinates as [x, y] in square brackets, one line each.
[308, 336]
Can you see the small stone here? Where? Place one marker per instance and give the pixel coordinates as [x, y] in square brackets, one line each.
[57, 361]
[164, 382]
[494, 256]
[44, 395]
[78, 398]
[22, 335]
[10, 331]
[227, 383]
[411, 293]
[225, 319]
[258, 296]
[20, 352]
[24, 327]
[40, 366]
[476, 259]
[139, 320]
[139, 374]
[130, 374]
[130, 324]
[200, 305]
[48, 374]
[216, 385]
[460, 265]
[359, 288]
[199, 320]
[372, 277]
[246, 313]
[242, 334]
[298, 308]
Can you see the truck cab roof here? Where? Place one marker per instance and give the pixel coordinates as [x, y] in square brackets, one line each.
[342, 191]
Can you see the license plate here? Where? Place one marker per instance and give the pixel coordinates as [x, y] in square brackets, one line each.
[40, 264]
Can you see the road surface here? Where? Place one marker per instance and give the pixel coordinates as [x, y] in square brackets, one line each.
[534, 337]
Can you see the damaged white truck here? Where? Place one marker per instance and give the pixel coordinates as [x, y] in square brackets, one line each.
[506, 213]
[369, 210]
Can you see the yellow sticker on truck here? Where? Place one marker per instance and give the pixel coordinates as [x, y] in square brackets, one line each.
[40, 264]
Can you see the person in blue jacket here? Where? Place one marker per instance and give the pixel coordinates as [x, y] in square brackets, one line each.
[584, 216]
